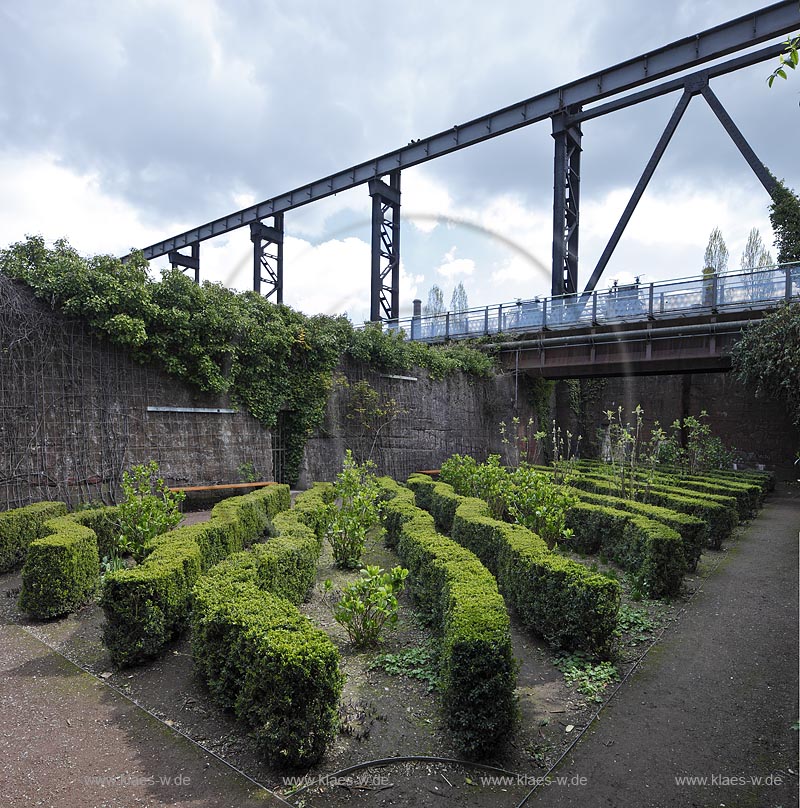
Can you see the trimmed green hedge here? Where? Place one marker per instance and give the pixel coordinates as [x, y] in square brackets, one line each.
[720, 519]
[61, 569]
[105, 524]
[20, 526]
[478, 668]
[309, 507]
[562, 601]
[264, 660]
[649, 549]
[693, 530]
[147, 606]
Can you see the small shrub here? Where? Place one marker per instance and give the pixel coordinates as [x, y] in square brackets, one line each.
[357, 488]
[148, 509]
[369, 605]
[534, 501]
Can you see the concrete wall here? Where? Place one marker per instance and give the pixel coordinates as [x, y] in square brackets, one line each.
[760, 430]
[436, 419]
[73, 414]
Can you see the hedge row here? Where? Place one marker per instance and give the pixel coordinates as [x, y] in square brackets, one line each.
[309, 507]
[61, 569]
[562, 601]
[747, 494]
[147, 606]
[719, 519]
[692, 530]
[650, 549]
[265, 661]
[478, 668]
[258, 655]
[20, 526]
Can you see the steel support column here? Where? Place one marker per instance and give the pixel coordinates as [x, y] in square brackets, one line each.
[566, 204]
[191, 261]
[385, 283]
[268, 256]
[647, 174]
[759, 169]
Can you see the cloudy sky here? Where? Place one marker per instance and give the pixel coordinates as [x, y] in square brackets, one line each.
[123, 123]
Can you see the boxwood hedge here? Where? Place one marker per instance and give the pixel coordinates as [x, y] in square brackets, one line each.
[693, 530]
[61, 569]
[721, 520]
[20, 526]
[264, 660]
[560, 600]
[650, 549]
[147, 606]
[478, 668]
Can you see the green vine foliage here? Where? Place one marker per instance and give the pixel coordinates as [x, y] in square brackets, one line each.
[267, 357]
[767, 357]
[784, 216]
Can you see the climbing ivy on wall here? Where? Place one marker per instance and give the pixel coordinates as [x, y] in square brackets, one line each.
[267, 357]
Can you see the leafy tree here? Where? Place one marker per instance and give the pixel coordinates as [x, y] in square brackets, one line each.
[435, 304]
[459, 302]
[767, 357]
[716, 255]
[784, 216]
[755, 254]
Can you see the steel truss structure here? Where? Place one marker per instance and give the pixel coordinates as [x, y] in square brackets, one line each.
[568, 107]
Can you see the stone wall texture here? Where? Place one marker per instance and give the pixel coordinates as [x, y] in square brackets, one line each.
[74, 414]
[432, 420]
[759, 429]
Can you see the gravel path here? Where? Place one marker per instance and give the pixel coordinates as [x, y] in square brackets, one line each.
[69, 741]
[716, 699]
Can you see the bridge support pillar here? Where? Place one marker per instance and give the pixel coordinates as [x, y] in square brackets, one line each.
[268, 256]
[385, 275]
[191, 261]
[566, 203]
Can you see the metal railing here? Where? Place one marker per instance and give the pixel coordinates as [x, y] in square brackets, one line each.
[764, 287]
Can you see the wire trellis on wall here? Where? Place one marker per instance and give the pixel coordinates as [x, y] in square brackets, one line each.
[73, 414]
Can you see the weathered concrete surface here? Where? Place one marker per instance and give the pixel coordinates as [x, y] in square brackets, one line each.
[435, 419]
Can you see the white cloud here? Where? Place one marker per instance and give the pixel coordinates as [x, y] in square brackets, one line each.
[452, 267]
[41, 197]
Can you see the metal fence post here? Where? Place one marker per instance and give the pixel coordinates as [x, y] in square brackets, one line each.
[486, 321]
[544, 315]
[650, 314]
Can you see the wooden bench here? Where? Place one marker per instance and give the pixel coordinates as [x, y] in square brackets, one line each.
[187, 488]
[199, 497]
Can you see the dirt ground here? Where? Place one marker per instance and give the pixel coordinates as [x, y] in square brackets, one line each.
[389, 716]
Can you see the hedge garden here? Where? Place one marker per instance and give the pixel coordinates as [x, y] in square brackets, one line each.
[473, 557]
